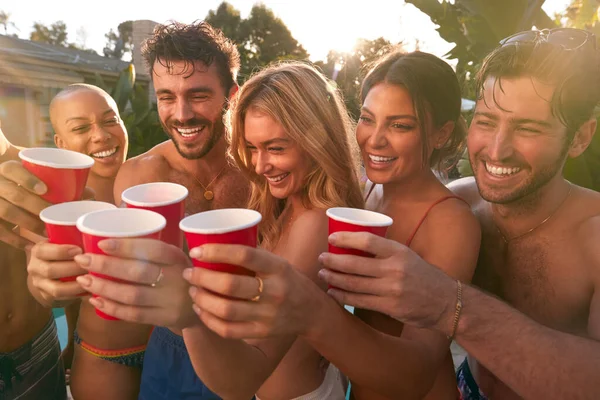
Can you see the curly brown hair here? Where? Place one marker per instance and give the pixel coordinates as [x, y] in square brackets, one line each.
[193, 42]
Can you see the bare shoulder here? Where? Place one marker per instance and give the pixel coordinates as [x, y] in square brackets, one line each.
[450, 238]
[306, 241]
[466, 188]
[585, 212]
[150, 166]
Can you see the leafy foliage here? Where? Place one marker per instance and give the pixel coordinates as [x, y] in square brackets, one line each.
[139, 115]
[119, 43]
[55, 34]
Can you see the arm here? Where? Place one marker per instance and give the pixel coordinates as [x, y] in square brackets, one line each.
[419, 353]
[250, 363]
[551, 364]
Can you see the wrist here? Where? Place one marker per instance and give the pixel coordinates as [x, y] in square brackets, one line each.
[320, 316]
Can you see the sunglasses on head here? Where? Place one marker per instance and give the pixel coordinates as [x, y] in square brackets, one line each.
[567, 38]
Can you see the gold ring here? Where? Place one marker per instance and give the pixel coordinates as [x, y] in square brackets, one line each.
[16, 228]
[158, 278]
[260, 289]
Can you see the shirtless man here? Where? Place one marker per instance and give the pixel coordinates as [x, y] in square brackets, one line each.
[193, 68]
[85, 119]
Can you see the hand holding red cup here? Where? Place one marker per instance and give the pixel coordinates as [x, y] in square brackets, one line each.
[64, 172]
[343, 219]
[225, 226]
[117, 223]
[61, 219]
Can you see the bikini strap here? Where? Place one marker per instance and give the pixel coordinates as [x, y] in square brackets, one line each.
[412, 236]
[370, 191]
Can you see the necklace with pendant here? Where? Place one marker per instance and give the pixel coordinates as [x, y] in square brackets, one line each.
[208, 194]
[541, 223]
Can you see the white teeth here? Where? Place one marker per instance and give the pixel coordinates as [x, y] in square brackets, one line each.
[104, 154]
[501, 171]
[277, 178]
[189, 132]
[380, 159]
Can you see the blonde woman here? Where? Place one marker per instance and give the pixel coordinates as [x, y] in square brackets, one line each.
[292, 137]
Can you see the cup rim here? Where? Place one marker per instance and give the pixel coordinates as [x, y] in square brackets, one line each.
[89, 161]
[90, 231]
[384, 220]
[46, 219]
[218, 231]
[136, 203]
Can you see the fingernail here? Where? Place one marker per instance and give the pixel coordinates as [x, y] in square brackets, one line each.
[107, 245]
[82, 260]
[97, 302]
[40, 188]
[187, 274]
[84, 280]
[196, 309]
[321, 257]
[333, 237]
[74, 251]
[321, 273]
[193, 291]
[196, 252]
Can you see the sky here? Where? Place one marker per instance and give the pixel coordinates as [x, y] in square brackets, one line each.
[319, 25]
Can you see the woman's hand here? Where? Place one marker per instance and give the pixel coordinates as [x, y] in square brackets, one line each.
[151, 289]
[278, 301]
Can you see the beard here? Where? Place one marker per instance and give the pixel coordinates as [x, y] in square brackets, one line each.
[214, 130]
[528, 187]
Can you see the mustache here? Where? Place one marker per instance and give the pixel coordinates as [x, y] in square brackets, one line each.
[191, 123]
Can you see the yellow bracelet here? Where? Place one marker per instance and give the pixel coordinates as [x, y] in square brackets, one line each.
[459, 306]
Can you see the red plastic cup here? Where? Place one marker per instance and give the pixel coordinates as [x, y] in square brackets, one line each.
[61, 219]
[225, 226]
[343, 219]
[117, 223]
[165, 198]
[64, 172]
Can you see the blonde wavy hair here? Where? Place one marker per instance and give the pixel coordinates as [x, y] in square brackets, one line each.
[313, 114]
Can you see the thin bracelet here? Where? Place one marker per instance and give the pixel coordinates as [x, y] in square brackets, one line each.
[459, 306]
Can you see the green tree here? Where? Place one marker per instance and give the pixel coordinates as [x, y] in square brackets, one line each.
[476, 26]
[348, 69]
[139, 114]
[6, 23]
[119, 43]
[261, 38]
[55, 34]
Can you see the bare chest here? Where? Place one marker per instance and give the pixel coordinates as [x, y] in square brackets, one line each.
[230, 191]
[540, 275]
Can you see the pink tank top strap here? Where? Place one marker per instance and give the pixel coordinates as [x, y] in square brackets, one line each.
[412, 236]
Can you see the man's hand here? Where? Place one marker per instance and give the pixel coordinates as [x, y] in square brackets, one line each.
[20, 203]
[397, 282]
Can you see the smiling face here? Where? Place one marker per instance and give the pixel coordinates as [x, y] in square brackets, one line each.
[87, 121]
[275, 156]
[516, 145]
[190, 107]
[389, 135]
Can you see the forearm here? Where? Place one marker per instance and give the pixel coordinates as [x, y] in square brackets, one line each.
[533, 360]
[219, 361]
[344, 340]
